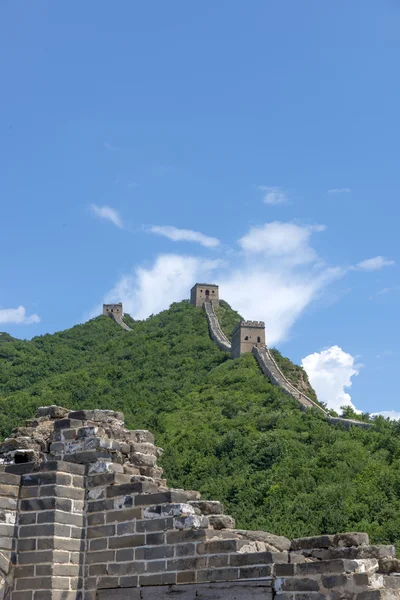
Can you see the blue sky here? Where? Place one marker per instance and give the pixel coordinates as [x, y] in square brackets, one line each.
[270, 127]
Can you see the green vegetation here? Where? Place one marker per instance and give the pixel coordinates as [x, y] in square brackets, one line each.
[227, 317]
[294, 373]
[225, 429]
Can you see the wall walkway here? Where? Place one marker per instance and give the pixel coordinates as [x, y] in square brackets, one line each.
[120, 321]
[272, 371]
[216, 333]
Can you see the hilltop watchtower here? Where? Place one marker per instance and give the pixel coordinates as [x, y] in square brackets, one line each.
[204, 292]
[113, 309]
[246, 335]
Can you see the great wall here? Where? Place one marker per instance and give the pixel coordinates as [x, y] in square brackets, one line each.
[248, 336]
[86, 514]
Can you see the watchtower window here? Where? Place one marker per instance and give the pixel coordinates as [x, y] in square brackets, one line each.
[258, 339]
[207, 292]
[247, 337]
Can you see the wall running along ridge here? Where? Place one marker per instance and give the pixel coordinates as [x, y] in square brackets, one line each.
[271, 370]
[89, 515]
[216, 333]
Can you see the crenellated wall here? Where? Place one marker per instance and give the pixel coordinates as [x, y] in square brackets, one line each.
[216, 333]
[91, 517]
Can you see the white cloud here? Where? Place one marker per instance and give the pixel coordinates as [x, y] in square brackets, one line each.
[374, 264]
[108, 213]
[339, 191]
[394, 415]
[285, 241]
[147, 291]
[330, 373]
[276, 290]
[17, 316]
[185, 235]
[273, 195]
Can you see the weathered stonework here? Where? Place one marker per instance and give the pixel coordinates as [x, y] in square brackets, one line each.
[204, 292]
[86, 513]
[247, 335]
[115, 311]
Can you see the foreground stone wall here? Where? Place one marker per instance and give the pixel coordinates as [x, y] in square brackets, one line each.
[86, 513]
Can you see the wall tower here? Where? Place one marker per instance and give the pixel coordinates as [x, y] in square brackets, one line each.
[204, 292]
[246, 335]
[110, 309]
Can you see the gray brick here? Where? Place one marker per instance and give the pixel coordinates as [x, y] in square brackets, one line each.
[119, 516]
[101, 531]
[152, 525]
[11, 491]
[26, 545]
[125, 528]
[124, 555]
[187, 564]
[57, 516]
[27, 519]
[153, 539]
[154, 553]
[158, 579]
[46, 478]
[130, 581]
[185, 549]
[126, 541]
[160, 498]
[96, 519]
[212, 575]
[28, 571]
[39, 504]
[255, 572]
[107, 582]
[100, 557]
[67, 424]
[98, 544]
[62, 491]
[34, 583]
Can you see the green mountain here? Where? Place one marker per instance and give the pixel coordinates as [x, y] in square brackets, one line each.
[225, 429]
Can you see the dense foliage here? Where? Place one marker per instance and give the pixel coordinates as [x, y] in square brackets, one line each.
[227, 317]
[294, 373]
[225, 429]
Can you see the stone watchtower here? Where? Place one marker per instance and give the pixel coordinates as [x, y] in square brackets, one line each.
[204, 292]
[113, 309]
[246, 335]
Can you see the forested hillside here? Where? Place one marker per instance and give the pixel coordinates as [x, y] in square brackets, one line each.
[225, 429]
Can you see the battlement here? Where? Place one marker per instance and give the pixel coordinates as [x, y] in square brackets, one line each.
[250, 325]
[204, 292]
[113, 309]
[246, 335]
[86, 515]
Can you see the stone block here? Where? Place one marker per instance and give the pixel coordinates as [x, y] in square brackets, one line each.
[152, 525]
[350, 539]
[127, 541]
[212, 575]
[321, 541]
[160, 498]
[207, 507]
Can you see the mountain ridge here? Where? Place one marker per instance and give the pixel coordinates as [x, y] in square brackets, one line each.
[225, 429]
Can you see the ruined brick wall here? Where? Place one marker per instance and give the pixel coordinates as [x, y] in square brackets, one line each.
[86, 513]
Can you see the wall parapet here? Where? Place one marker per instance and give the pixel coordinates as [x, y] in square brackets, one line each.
[92, 517]
[216, 333]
